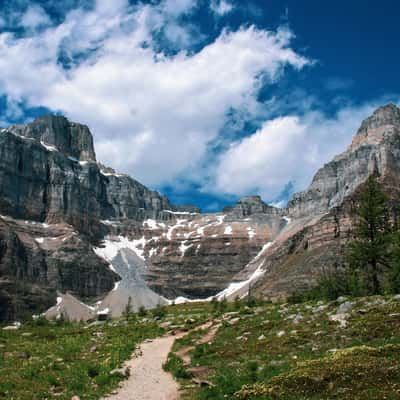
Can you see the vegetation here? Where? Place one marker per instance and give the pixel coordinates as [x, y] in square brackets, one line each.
[372, 258]
[60, 359]
[298, 351]
[267, 351]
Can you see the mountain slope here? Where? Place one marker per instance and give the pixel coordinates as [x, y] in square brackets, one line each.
[69, 225]
[321, 215]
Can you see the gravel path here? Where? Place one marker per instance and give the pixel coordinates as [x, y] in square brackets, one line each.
[148, 380]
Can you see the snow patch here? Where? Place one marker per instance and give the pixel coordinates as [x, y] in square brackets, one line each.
[180, 212]
[183, 247]
[287, 219]
[151, 224]
[48, 146]
[251, 232]
[236, 286]
[109, 222]
[228, 230]
[113, 245]
[39, 240]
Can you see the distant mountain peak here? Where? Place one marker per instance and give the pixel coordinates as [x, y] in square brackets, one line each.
[384, 121]
[70, 138]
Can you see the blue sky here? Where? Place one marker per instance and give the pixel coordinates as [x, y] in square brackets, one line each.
[205, 101]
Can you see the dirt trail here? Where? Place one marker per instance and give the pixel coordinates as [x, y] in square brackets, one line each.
[148, 380]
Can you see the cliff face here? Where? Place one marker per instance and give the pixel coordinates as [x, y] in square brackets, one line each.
[49, 175]
[375, 148]
[71, 225]
[319, 230]
[197, 255]
[48, 172]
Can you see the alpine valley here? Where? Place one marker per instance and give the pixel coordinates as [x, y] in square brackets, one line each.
[77, 238]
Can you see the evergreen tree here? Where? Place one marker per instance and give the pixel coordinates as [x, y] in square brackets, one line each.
[369, 252]
[128, 308]
[393, 277]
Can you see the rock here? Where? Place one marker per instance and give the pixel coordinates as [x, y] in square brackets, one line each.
[124, 371]
[396, 297]
[10, 328]
[261, 337]
[341, 318]
[320, 215]
[320, 309]
[75, 398]
[57, 203]
[341, 299]
[345, 307]
[280, 333]
[297, 318]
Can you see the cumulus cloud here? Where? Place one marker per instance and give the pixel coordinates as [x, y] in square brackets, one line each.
[34, 17]
[287, 149]
[153, 115]
[221, 7]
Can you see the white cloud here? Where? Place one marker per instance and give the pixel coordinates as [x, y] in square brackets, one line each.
[221, 7]
[34, 17]
[289, 148]
[152, 115]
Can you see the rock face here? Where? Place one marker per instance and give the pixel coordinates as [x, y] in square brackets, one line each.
[320, 225]
[375, 149]
[70, 226]
[48, 172]
[38, 259]
[49, 175]
[56, 132]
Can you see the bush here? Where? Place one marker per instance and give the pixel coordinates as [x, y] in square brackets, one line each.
[142, 311]
[159, 311]
[175, 365]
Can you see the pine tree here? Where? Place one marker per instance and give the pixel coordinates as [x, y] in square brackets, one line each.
[369, 252]
[128, 308]
[393, 278]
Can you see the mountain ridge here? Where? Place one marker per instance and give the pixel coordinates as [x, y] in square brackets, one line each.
[60, 206]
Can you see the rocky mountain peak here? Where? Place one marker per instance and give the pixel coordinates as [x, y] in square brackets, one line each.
[384, 121]
[70, 138]
[249, 205]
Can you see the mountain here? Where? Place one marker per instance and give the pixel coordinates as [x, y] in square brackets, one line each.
[57, 203]
[79, 238]
[320, 216]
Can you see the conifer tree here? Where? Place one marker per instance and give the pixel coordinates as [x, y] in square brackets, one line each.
[369, 252]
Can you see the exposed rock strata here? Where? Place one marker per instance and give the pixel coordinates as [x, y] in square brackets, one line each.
[49, 177]
[321, 221]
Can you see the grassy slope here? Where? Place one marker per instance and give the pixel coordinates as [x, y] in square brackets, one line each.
[272, 351]
[47, 360]
[268, 353]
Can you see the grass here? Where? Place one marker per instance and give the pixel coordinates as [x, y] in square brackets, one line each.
[46, 360]
[49, 360]
[294, 351]
[266, 351]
